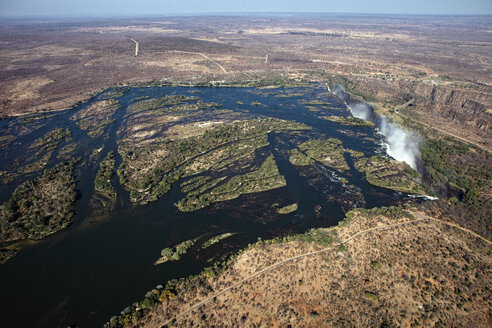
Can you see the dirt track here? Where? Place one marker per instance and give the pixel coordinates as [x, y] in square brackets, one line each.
[420, 218]
[203, 55]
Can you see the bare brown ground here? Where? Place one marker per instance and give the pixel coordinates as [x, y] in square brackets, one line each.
[444, 63]
[402, 272]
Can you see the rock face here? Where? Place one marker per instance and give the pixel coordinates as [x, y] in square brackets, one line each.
[465, 112]
[468, 107]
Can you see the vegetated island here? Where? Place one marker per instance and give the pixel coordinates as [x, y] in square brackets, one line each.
[266, 177]
[389, 173]
[39, 207]
[102, 182]
[351, 121]
[216, 239]
[175, 253]
[287, 209]
[329, 152]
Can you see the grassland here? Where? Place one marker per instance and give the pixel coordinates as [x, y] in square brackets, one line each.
[287, 209]
[328, 152]
[50, 140]
[148, 172]
[96, 117]
[298, 158]
[160, 103]
[266, 177]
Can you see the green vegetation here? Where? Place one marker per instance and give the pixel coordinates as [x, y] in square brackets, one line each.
[159, 103]
[6, 177]
[6, 140]
[299, 159]
[351, 121]
[287, 209]
[175, 253]
[375, 265]
[355, 154]
[50, 140]
[96, 117]
[7, 253]
[329, 152]
[41, 206]
[444, 158]
[288, 95]
[102, 182]
[115, 93]
[66, 152]
[148, 172]
[37, 164]
[389, 173]
[314, 102]
[465, 173]
[225, 156]
[204, 187]
[265, 178]
[371, 296]
[216, 239]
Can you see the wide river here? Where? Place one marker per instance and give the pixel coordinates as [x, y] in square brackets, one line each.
[92, 270]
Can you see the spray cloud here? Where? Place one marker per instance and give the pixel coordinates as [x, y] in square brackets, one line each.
[401, 145]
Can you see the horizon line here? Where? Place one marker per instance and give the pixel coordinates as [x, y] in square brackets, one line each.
[204, 14]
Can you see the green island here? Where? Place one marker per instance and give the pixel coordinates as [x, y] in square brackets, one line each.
[389, 173]
[351, 121]
[102, 182]
[50, 140]
[115, 93]
[41, 206]
[216, 239]
[159, 103]
[298, 158]
[266, 177]
[287, 209]
[329, 152]
[175, 253]
[148, 172]
[37, 164]
[288, 95]
[96, 117]
[314, 102]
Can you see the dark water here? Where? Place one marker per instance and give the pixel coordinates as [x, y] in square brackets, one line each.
[92, 270]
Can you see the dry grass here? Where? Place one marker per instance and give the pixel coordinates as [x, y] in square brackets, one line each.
[421, 274]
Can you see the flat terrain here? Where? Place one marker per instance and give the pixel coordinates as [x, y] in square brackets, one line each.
[441, 65]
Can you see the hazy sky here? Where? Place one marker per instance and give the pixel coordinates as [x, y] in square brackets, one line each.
[166, 7]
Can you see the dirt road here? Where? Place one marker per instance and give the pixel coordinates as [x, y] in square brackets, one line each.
[203, 55]
[136, 46]
[420, 218]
